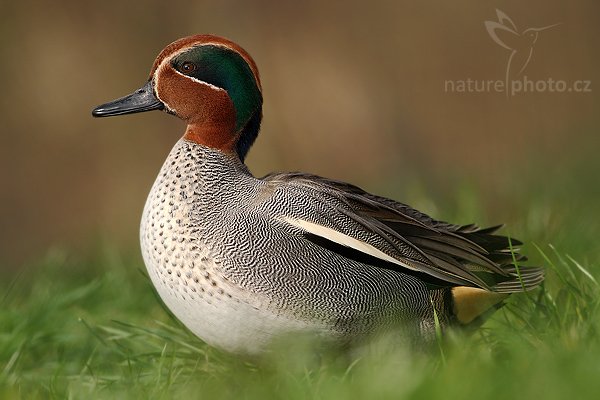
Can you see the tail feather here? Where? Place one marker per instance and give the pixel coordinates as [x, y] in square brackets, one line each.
[524, 279]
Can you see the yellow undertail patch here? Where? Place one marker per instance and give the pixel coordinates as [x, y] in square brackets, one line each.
[469, 303]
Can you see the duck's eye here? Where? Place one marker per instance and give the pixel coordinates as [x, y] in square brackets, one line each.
[187, 67]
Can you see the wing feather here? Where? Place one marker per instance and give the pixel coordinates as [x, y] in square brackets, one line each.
[394, 235]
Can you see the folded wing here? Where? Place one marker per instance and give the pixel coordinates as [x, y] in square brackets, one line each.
[384, 233]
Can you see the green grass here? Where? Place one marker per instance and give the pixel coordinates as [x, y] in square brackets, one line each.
[91, 327]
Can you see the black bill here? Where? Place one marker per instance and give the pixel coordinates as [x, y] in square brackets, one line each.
[141, 100]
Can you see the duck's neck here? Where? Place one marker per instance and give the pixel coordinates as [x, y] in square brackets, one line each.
[222, 135]
[212, 175]
[207, 162]
[219, 135]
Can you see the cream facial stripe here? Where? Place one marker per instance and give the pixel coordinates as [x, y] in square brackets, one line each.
[343, 239]
[201, 82]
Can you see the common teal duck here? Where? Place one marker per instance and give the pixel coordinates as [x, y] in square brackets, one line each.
[242, 260]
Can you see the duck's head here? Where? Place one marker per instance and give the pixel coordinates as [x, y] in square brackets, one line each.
[209, 82]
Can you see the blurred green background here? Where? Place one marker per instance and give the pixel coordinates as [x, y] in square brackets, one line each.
[353, 90]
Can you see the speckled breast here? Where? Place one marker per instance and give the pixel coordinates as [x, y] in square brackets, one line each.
[186, 271]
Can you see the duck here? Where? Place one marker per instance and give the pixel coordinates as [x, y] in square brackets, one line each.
[242, 260]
